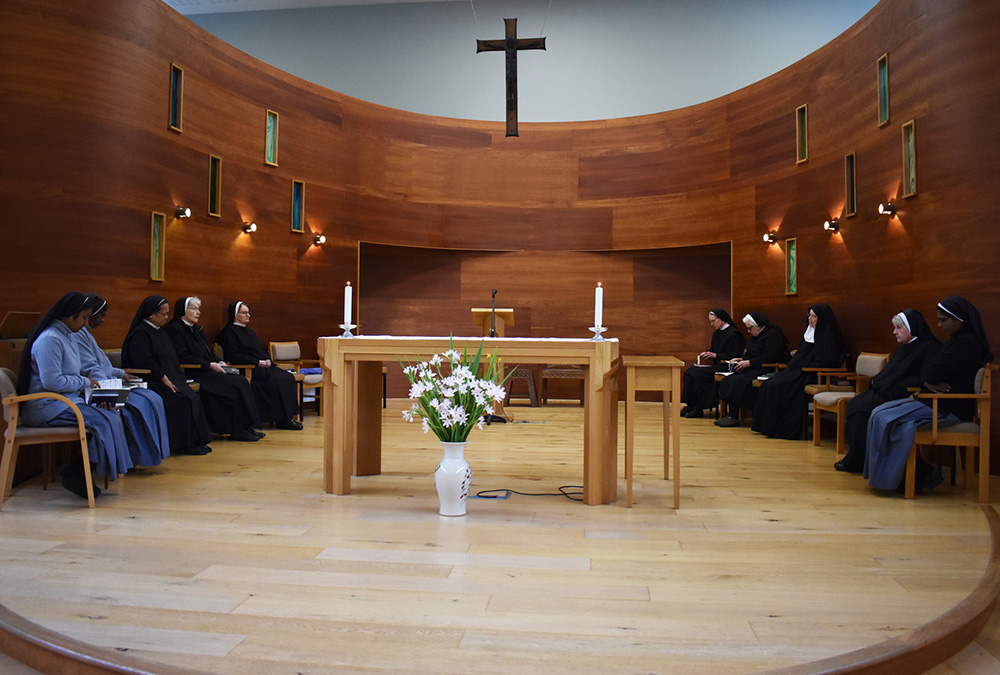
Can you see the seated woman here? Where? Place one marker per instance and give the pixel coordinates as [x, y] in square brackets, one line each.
[700, 388]
[768, 344]
[51, 362]
[273, 387]
[143, 413]
[781, 401]
[227, 398]
[148, 347]
[892, 426]
[917, 345]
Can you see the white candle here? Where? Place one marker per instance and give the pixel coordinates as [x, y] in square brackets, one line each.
[598, 305]
[348, 301]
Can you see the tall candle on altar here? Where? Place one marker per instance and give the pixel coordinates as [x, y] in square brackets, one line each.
[348, 301]
[598, 305]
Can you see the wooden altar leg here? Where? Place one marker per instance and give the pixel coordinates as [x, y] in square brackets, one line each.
[600, 446]
[338, 435]
[368, 418]
[629, 434]
[675, 416]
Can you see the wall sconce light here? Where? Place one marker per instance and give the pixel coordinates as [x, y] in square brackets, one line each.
[319, 239]
[182, 212]
[770, 238]
[887, 209]
[832, 225]
[249, 227]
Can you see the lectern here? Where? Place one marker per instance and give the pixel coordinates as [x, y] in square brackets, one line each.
[484, 317]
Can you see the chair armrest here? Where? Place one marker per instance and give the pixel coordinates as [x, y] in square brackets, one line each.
[190, 366]
[931, 395]
[842, 369]
[863, 383]
[138, 371]
[839, 374]
[14, 402]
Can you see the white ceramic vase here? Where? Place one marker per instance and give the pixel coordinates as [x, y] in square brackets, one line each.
[453, 477]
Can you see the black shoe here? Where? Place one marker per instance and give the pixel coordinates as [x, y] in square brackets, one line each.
[847, 468]
[258, 434]
[929, 480]
[245, 436]
[77, 484]
[727, 422]
[685, 410]
[290, 424]
[694, 413]
[195, 450]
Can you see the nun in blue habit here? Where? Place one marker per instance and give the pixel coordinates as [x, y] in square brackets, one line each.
[143, 414]
[892, 426]
[51, 362]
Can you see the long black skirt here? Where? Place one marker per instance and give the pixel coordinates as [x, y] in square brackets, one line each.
[186, 422]
[276, 394]
[737, 390]
[700, 390]
[229, 402]
[781, 404]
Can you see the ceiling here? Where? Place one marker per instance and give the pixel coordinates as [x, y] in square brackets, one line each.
[188, 7]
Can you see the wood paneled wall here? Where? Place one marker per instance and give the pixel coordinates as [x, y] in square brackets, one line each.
[410, 291]
[87, 155]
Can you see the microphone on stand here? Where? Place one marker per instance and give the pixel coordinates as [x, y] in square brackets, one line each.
[490, 419]
[493, 316]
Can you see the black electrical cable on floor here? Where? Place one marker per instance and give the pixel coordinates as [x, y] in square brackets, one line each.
[564, 491]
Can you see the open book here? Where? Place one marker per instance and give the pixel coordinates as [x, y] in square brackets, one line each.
[110, 392]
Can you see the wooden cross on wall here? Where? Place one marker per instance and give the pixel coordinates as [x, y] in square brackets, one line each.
[511, 45]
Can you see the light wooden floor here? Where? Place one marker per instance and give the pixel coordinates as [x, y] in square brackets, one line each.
[238, 562]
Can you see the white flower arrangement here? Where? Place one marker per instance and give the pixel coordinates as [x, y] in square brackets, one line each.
[449, 396]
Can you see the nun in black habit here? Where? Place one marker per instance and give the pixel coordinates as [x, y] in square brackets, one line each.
[917, 345]
[892, 426]
[781, 400]
[768, 344]
[147, 346]
[274, 388]
[227, 398]
[700, 390]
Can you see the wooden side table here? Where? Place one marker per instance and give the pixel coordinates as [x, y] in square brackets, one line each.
[654, 373]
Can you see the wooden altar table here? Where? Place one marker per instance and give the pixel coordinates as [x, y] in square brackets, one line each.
[352, 367]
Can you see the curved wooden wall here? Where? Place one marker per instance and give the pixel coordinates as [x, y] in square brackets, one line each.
[87, 156]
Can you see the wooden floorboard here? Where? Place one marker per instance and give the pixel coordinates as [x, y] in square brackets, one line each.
[237, 562]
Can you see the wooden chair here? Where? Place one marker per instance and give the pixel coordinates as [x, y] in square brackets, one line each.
[561, 373]
[968, 435]
[18, 435]
[527, 376]
[831, 397]
[288, 355]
